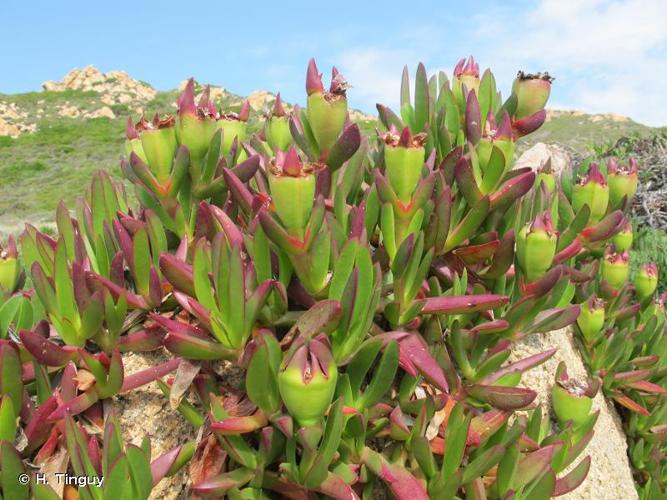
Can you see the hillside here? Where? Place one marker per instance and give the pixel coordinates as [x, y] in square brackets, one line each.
[52, 140]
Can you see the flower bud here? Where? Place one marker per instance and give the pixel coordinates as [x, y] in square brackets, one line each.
[326, 111]
[536, 247]
[614, 269]
[571, 399]
[646, 281]
[622, 180]
[307, 379]
[403, 159]
[591, 318]
[545, 175]
[592, 190]
[234, 126]
[292, 185]
[622, 240]
[196, 124]
[276, 128]
[467, 74]
[501, 137]
[10, 270]
[133, 142]
[532, 92]
[158, 144]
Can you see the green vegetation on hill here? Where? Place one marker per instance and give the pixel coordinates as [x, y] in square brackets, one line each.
[38, 169]
[581, 131]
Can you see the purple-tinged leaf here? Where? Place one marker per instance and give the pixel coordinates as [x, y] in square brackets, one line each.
[489, 422]
[448, 164]
[196, 347]
[545, 284]
[473, 119]
[502, 397]
[535, 464]
[572, 250]
[74, 406]
[475, 254]
[627, 312]
[347, 144]
[401, 483]
[604, 229]
[335, 487]
[193, 307]
[503, 257]
[133, 300]
[632, 376]
[238, 189]
[465, 179]
[278, 234]
[145, 340]
[462, 304]
[554, 319]
[46, 351]
[529, 124]
[38, 428]
[646, 386]
[221, 484]
[178, 273]
[239, 425]
[573, 479]
[149, 375]
[521, 366]
[414, 347]
[495, 326]
[511, 190]
[630, 404]
[162, 464]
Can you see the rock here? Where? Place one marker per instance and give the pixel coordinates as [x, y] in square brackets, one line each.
[610, 475]
[114, 84]
[9, 129]
[10, 111]
[69, 111]
[15, 129]
[537, 155]
[103, 112]
[145, 411]
[360, 116]
[260, 99]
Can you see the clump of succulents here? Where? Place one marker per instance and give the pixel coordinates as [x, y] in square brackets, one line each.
[621, 327]
[368, 288]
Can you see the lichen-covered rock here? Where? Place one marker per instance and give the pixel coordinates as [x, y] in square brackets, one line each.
[610, 476]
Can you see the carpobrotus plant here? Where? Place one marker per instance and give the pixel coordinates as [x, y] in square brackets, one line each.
[368, 289]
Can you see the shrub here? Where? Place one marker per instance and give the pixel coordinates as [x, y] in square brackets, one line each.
[369, 289]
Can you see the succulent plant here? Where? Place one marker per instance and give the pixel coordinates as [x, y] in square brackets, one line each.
[366, 290]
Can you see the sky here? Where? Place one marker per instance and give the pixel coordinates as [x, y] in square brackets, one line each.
[606, 55]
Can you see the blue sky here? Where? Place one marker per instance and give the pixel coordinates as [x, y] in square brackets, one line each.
[607, 56]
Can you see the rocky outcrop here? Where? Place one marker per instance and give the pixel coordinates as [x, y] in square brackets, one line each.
[538, 155]
[610, 475]
[116, 86]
